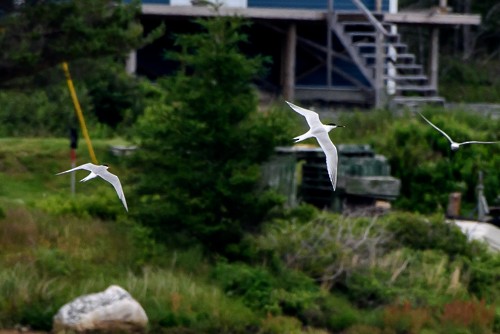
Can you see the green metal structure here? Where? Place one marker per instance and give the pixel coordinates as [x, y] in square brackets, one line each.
[364, 180]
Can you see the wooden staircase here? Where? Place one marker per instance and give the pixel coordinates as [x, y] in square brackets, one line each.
[404, 80]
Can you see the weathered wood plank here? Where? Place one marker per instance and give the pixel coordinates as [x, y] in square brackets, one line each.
[333, 94]
[289, 63]
[257, 13]
[431, 18]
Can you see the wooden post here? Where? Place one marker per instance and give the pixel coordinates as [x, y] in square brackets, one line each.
[289, 70]
[131, 64]
[467, 36]
[329, 56]
[378, 6]
[379, 69]
[482, 204]
[434, 58]
[454, 201]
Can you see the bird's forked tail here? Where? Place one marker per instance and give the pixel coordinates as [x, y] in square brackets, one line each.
[88, 177]
[302, 137]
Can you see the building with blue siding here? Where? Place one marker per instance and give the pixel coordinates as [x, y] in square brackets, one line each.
[341, 51]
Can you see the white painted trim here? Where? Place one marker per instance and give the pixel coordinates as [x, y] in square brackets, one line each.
[131, 64]
[393, 6]
[225, 3]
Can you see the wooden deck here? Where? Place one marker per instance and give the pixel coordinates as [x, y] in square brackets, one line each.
[413, 17]
[432, 18]
[253, 13]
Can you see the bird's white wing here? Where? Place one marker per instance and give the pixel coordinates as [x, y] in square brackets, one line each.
[435, 127]
[115, 181]
[312, 118]
[331, 156]
[87, 166]
[479, 142]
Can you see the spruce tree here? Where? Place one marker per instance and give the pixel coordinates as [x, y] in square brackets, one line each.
[203, 143]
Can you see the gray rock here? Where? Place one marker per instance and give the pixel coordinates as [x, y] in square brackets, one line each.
[110, 311]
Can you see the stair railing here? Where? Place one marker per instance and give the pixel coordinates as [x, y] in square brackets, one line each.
[376, 23]
[380, 33]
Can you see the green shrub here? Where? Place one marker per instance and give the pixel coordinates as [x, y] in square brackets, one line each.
[483, 276]
[368, 289]
[147, 251]
[421, 157]
[52, 262]
[327, 248]
[38, 315]
[255, 286]
[104, 205]
[287, 292]
[496, 320]
[280, 324]
[36, 113]
[340, 316]
[471, 81]
[429, 232]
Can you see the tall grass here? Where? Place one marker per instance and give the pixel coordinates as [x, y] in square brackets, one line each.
[174, 299]
[46, 261]
[170, 299]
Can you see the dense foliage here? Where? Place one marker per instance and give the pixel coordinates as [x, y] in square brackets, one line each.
[421, 157]
[111, 101]
[42, 34]
[477, 80]
[202, 141]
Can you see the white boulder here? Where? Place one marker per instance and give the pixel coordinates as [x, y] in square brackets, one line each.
[113, 310]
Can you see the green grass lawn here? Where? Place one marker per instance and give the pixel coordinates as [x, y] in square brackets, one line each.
[28, 167]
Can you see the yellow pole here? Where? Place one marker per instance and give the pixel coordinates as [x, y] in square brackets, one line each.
[79, 113]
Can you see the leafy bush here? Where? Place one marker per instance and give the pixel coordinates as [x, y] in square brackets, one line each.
[38, 113]
[421, 157]
[288, 292]
[483, 276]
[369, 289]
[117, 98]
[430, 232]
[327, 248]
[104, 205]
[338, 314]
[472, 81]
[52, 262]
[256, 286]
[371, 262]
